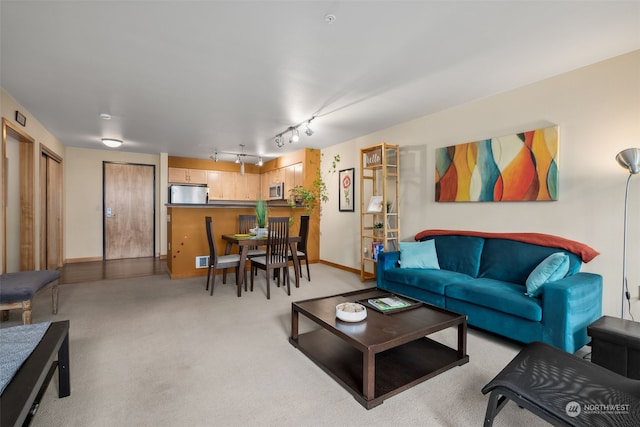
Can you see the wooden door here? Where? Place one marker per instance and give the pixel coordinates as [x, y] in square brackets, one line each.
[129, 210]
[51, 236]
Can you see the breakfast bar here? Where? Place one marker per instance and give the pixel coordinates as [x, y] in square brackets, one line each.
[187, 239]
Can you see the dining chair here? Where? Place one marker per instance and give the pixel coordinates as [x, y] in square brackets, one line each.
[302, 245]
[277, 256]
[245, 223]
[219, 261]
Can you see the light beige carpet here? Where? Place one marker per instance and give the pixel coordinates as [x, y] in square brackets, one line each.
[152, 351]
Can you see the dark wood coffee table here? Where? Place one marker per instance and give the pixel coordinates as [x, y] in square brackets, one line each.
[382, 355]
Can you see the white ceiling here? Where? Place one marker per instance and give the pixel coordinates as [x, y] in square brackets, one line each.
[190, 77]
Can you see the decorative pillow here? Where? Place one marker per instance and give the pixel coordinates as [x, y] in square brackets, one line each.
[419, 255]
[553, 267]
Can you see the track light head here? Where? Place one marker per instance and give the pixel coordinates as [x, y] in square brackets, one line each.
[238, 158]
[259, 161]
[295, 136]
[279, 141]
[308, 130]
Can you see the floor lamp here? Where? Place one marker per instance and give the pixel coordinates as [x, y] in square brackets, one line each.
[630, 160]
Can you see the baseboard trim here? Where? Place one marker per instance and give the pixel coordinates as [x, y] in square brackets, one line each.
[340, 266]
[86, 259]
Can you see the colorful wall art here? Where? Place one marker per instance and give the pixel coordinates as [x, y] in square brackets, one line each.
[516, 167]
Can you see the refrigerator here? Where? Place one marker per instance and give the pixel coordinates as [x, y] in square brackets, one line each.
[188, 194]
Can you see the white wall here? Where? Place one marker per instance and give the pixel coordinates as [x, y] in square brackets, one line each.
[83, 201]
[597, 109]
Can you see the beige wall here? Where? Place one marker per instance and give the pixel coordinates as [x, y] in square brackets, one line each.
[8, 107]
[597, 109]
[83, 203]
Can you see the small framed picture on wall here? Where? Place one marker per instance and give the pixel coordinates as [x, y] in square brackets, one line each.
[345, 178]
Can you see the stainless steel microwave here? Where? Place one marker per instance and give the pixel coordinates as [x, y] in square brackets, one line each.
[276, 191]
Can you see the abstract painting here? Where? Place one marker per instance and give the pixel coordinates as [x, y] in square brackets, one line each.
[516, 167]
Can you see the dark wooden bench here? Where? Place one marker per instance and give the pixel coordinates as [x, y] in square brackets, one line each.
[564, 390]
[20, 399]
[18, 289]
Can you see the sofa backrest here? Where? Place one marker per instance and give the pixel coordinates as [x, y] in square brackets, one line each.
[495, 258]
[459, 253]
[513, 261]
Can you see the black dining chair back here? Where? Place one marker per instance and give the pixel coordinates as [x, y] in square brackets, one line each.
[277, 256]
[218, 261]
[246, 223]
[302, 245]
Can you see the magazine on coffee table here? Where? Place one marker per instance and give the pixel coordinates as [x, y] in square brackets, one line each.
[390, 303]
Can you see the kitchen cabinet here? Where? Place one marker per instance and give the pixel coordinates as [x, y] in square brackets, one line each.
[216, 185]
[292, 178]
[246, 186]
[187, 176]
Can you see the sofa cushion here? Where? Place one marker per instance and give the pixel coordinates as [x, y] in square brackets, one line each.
[498, 295]
[554, 267]
[432, 280]
[459, 253]
[419, 255]
[513, 261]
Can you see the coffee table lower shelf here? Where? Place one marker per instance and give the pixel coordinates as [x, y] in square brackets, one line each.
[397, 369]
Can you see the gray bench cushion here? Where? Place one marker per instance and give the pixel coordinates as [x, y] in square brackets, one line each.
[23, 285]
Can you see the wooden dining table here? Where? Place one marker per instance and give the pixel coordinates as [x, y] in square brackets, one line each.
[244, 243]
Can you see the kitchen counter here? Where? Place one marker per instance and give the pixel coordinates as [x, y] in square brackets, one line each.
[187, 238]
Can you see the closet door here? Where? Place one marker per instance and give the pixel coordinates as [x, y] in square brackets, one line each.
[51, 236]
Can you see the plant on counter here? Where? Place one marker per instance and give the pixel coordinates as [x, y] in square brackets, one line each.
[261, 213]
[310, 197]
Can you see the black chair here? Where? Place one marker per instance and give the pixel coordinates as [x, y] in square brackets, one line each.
[219, 261]
[564, 390]
[277, 256]
[245, 223]
[302, 245]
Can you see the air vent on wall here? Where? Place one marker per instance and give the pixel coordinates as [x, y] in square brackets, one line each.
[202, 261]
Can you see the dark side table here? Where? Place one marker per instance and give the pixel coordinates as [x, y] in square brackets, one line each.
[615, 344]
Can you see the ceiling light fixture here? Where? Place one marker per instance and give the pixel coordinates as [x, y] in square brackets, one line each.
[309, 131]
[239, 157]
[112, 142]
[105, 116]
[295, 134]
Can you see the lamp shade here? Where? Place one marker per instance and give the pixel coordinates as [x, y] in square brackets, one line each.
[630, 160]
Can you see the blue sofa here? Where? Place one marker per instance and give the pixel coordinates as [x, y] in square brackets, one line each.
[483, 275]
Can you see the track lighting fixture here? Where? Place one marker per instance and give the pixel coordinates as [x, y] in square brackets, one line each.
[278, 141]
[239, 157]
[308, 131]
[295, 135]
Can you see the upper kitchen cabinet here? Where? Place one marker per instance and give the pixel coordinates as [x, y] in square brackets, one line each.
[187, 176]
[215, 182]
[292, 177]
[246, 186]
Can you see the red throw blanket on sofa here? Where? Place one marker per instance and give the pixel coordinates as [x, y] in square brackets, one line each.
[585, 252]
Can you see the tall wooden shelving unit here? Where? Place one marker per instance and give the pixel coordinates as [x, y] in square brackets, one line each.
[379, 181]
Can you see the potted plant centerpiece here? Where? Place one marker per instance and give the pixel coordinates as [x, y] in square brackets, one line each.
[261, 217]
